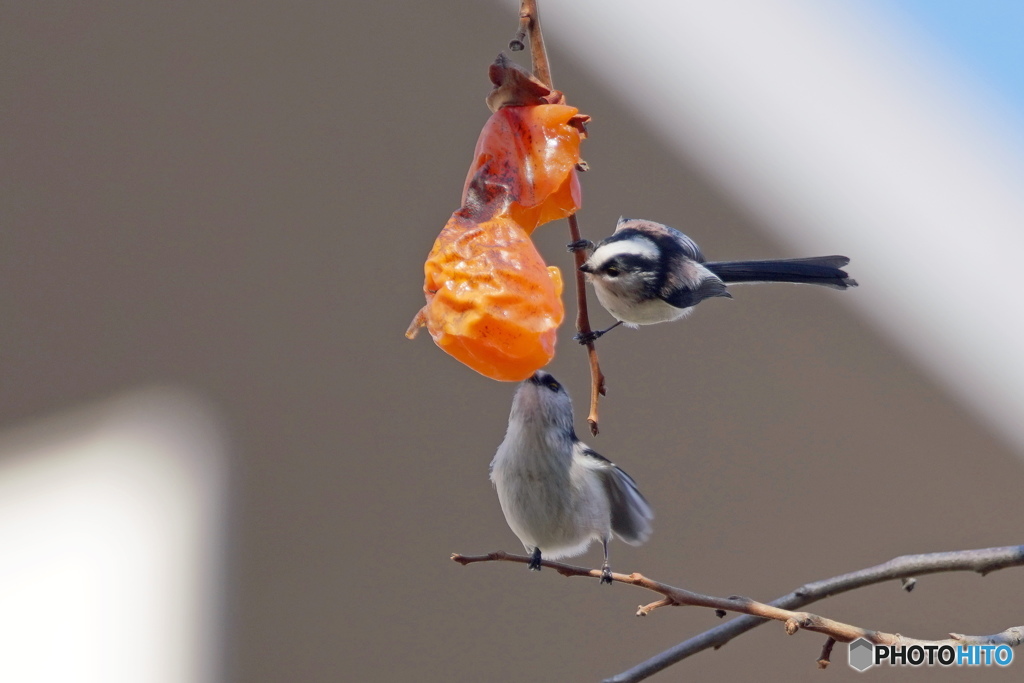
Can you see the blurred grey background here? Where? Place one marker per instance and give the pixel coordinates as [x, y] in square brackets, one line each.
[238, 199]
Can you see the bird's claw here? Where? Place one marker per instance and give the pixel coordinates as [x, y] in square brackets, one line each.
[580, 245]
[606, 575]
[585, 338]
[535, 560]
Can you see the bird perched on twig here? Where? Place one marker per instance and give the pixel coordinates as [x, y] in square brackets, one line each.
[559, 495]
[646, 273]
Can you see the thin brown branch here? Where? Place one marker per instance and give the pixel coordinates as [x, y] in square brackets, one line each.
[597, 388]
[981, 561]
[529, 25]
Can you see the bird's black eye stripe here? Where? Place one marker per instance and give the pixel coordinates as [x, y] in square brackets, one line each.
[612, 267]
[541, 378]
[628, 263]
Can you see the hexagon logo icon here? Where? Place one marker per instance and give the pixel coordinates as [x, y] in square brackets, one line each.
[862, 654]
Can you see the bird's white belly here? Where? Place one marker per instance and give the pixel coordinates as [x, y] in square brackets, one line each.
[542, 516]
[634, 312]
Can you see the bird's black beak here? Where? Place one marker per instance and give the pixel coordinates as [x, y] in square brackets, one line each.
[586, 269]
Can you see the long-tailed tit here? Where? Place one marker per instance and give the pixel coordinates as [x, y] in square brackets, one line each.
[647, 273]
[557, 494]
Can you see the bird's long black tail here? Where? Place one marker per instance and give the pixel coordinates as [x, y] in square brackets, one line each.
[817, 270]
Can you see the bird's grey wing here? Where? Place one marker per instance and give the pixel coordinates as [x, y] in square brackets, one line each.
[691, 284]
[631, 513]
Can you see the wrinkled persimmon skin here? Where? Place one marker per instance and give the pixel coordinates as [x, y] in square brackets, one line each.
[492, 303]
[526, 158]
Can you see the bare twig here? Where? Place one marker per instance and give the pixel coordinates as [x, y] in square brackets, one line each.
[644, 610]
[518, 43]
[1012, 636]
[529, 24]
[597, 388]
[981, 561]
[825, 658]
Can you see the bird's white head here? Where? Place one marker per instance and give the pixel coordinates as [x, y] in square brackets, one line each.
[623, 265]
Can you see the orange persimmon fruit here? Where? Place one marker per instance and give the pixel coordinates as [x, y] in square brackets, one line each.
[530, 154]
[492, 303]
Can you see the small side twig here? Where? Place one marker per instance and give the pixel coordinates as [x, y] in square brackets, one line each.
[518, 43]
[825, 658]
[644, 610]
[981, 561]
